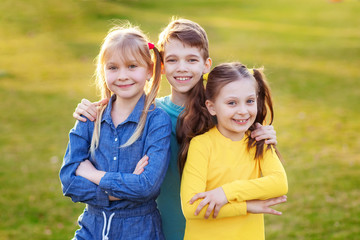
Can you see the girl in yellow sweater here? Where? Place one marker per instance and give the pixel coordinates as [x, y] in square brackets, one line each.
[226, 169]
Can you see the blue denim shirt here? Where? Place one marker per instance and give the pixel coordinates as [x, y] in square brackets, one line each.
[118, 162]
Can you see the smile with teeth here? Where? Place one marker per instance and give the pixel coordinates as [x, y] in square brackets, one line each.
[182, 78]
[241, 121]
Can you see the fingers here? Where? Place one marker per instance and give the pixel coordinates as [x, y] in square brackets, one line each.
[101, 102]
[209, 210]
[264, 132]
[216, 211]
[274, 212]
[87, 109]
[196, 197]
[277, 200]
[143, 162]
[78, 117]
[273, 202]
[202, 204]
[271, 141]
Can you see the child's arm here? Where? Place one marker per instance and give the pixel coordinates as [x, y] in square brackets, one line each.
[215, 199]
[194, 180]
[77, 187]
[87, 109]
[264, 132]
[273, 182]
[87, 170]
[147, 184]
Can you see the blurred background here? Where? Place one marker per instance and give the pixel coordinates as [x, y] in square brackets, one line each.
[311, 53]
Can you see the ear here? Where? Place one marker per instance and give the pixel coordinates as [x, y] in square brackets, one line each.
[210, 107]
[208, 63]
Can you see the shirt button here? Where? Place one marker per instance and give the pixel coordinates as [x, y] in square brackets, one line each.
[115, 139]
[114, 158]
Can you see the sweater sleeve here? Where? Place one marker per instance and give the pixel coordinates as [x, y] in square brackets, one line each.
[194, 180]
[78, 188]
[273, 182]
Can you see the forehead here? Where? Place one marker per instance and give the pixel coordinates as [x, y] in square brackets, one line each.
[123, 56]
[240, 88]
[178, 48]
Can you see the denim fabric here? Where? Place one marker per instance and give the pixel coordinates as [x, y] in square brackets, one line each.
[136, 191]
[141, 224]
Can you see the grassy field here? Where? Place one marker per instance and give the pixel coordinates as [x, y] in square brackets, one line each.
[311, 52]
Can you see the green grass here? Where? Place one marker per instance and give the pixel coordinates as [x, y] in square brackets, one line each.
[310, 50]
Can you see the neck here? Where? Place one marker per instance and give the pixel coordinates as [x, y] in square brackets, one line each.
[122, 108]
[178, 98]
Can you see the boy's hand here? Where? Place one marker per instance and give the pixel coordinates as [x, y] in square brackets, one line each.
[88, 109]
[263, 206]
[264, 132]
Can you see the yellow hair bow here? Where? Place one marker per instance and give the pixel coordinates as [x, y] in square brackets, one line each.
[205, 76]
[251, 71]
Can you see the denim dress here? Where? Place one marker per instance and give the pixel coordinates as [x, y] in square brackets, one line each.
[135, 216]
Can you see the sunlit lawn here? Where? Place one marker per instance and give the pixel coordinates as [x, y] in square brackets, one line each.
[310, 50]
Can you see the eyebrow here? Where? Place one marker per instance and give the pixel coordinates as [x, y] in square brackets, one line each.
[174, 55]
[232, 97]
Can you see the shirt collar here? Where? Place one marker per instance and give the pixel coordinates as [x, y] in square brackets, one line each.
[134, 115]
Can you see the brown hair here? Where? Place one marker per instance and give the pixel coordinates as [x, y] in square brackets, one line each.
[187, 32]
[200, 121]
[128, 41]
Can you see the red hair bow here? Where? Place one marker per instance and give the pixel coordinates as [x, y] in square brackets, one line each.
[151, 46]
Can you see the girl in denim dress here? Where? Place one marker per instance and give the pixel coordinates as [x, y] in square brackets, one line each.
[101, 165]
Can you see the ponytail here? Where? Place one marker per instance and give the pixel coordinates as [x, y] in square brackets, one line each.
[264, 104]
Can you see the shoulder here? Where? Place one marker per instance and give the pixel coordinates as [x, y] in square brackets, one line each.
[158, 115]
[82, 126]
[269, 151]
[82, 129]
[205, 140]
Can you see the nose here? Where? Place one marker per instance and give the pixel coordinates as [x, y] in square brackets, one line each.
[182, 67]
[241, 109]
[122, 74]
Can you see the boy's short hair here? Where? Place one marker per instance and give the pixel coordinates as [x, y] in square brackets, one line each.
[187, 32]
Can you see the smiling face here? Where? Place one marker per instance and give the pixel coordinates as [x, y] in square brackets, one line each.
[235, 108]
[183, 66]
[126, 78]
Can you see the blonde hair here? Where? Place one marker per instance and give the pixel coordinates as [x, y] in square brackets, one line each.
[127, 41]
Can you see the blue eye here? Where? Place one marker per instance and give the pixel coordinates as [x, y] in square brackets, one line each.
[132, 66]
[250, 101]
[232, 103]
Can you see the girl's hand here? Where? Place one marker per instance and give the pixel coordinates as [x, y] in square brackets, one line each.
[216, 198]
[88, 109]
[264, 132]
[263, 206]
[87, 170]
[141, 164]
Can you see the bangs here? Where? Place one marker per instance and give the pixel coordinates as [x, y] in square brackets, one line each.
[129, 52]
